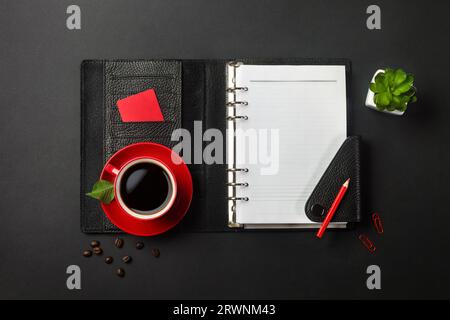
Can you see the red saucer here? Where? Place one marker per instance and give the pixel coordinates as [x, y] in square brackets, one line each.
[139, 227]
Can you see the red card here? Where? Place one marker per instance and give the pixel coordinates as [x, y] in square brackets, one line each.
[140, 107]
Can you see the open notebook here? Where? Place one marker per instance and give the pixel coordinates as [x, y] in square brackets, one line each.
[286, 123]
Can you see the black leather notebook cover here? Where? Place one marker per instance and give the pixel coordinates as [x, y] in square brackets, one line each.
[103, 133]
[103, 83]
[188, 91]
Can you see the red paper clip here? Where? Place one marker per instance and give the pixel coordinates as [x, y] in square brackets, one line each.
[367, 243]
[378, 224]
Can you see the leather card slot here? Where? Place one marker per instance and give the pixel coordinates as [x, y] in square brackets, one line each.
[170, 115]
[138, 68]
[141, 84]
[144, 76]
[142, 129]
[123, 94]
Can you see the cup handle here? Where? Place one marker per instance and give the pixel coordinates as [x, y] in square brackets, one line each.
[112, 170]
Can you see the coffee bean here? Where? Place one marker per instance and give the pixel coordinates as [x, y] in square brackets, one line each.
[126, 259]
[109, 260]
[95, 244]
[98, 251]
[119, 243]
[139, 245]
[87, 253]
[156, 253]
[120, 272]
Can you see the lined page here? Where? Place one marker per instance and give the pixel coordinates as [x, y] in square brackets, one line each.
[298, 115]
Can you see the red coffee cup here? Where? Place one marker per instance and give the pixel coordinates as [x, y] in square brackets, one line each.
[120, 175]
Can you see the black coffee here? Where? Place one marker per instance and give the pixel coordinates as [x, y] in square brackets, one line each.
[145, 188]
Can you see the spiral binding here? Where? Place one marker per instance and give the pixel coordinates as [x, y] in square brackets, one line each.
[234, 118]
[231, 90]
[233, 105]
[238, 198]
[237, 169]
[236, 184]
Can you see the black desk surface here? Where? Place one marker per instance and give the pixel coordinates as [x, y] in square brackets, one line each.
[406, 157]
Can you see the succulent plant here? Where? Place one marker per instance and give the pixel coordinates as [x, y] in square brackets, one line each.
[393, 89]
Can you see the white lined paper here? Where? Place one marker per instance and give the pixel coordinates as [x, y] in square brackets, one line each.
[307, 105]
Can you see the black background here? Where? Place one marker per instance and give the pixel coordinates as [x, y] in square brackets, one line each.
[406, 158]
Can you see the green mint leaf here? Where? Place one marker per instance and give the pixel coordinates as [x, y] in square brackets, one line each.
[102, 190]
[405, 86]
[379, 78]
[384, 99]
[377, 87]
[396, 101]
[389, 78]
[376, 99]
[399, 77]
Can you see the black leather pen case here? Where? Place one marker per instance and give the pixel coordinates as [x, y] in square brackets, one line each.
[188, 91]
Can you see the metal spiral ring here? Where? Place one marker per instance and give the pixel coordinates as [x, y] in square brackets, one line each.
[234, 118]
[238, 198]
[238, 184]
[238, 170]
[235, 103]
[235, 64]
[231, 90]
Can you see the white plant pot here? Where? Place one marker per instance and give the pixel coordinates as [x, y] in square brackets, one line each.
[371, 104]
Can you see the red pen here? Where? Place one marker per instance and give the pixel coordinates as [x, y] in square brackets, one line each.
[333, 208]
